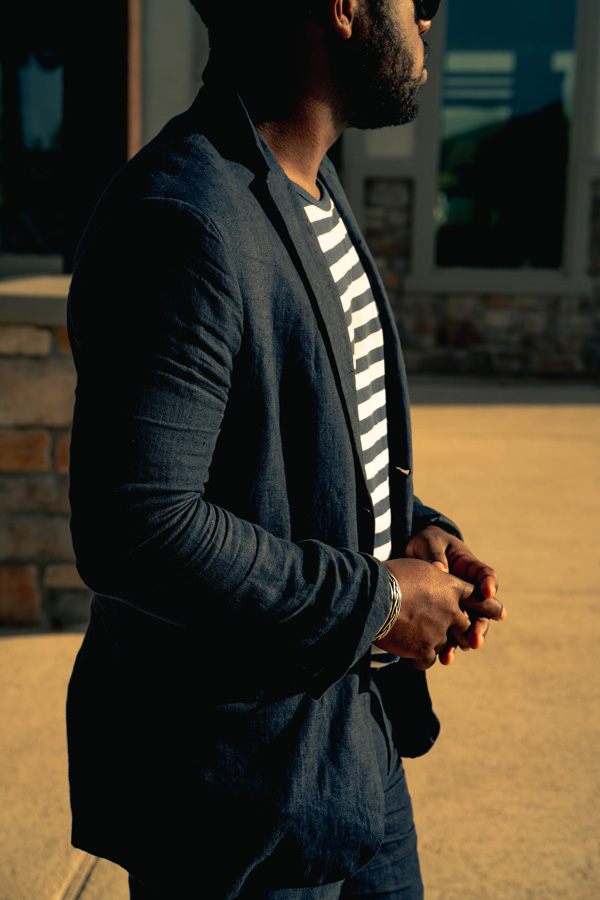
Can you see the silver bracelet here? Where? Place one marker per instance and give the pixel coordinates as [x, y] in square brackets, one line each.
[396, 598]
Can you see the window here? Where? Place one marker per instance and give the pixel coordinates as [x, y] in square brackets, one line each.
[504, 154]
[505, 115]
[31, 116]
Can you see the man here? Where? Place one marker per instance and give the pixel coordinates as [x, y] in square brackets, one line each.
[267, 589]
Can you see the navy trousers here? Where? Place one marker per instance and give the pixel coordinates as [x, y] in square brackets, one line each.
[392, 874]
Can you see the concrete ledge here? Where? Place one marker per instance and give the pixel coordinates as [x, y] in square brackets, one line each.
[470, 390]
[41, 299]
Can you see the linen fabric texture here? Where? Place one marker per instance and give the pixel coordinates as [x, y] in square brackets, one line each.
[221, 516]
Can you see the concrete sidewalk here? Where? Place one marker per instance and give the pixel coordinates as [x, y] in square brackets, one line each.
[36, 859]
[507, 802]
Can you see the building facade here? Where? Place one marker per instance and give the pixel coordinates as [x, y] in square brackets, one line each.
[483, 216]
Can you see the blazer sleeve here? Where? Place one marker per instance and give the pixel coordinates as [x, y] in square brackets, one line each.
[425, 515]
[156, 321]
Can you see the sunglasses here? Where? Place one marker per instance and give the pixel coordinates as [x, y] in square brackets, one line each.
[426, 9]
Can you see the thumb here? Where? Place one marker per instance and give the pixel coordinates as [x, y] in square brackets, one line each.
[430, 546]
[436, 555]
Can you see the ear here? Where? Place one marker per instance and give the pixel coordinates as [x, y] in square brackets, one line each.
[343, 15]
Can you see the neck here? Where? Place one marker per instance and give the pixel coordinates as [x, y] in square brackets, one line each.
[301, 139]
[296, 113]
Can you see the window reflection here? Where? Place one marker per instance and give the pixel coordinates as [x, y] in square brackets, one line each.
[505, 114]
[31, 115]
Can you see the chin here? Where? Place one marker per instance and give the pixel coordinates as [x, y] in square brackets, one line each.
[383, 116]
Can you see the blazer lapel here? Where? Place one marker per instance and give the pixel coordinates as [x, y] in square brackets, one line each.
[298, 235]
[279, 199]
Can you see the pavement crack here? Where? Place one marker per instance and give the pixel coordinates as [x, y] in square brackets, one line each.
[75, 884]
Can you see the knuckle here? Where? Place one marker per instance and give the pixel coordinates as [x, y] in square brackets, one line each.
[425, 659]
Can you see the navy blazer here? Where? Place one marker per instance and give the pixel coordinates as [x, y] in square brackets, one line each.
[221, 516]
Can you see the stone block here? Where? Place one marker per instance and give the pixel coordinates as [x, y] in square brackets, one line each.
[391, 280]
[421, 304]
[556, 365]
[534, 323]
[36, 392]
[389, 247]
[413, 360]
[32, 537]
[506, 361]
[573, 326]
[32, 493]
[498, 319]
[388, 192]
[63, 344]
[459, 333]
[463, 306]
[62, 444]
[63, 575]
[399, 219]
[374, 217]
[25, 340]
[426, 326]
[426, 340]
[67, 608]
[24, 450]
[591, 357]
[534, 304]
[20, 595]
[569, 306]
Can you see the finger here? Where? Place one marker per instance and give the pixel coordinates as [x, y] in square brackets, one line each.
[446, 656]
[487, 582]
[477, 632]
[458, 633]
[483, 607]
[464, 564]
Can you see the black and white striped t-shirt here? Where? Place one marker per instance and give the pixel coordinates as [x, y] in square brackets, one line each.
[366, 341]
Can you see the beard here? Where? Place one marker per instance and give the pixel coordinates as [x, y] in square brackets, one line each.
[376, 85]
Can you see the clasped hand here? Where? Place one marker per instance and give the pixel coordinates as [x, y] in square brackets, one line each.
[448, 599]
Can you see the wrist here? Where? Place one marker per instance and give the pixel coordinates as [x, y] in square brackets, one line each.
[395, 604]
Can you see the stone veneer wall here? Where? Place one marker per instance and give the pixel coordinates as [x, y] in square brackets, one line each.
[39, 584]
[481, 333]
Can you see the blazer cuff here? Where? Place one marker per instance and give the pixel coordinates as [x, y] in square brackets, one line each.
[425, 515]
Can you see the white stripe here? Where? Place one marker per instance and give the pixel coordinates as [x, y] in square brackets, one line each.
[379, 463]
[383, 553]
[364, 315]
[315, 214]
[375, 370]
[383, 522]
[332, 238]
[355, 289]
[367, 407]
[380, 493]
[371, 437]
[343, 265]
[371, 342]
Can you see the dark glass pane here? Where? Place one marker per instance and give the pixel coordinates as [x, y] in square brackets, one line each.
[507, 96]
[31, 114]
